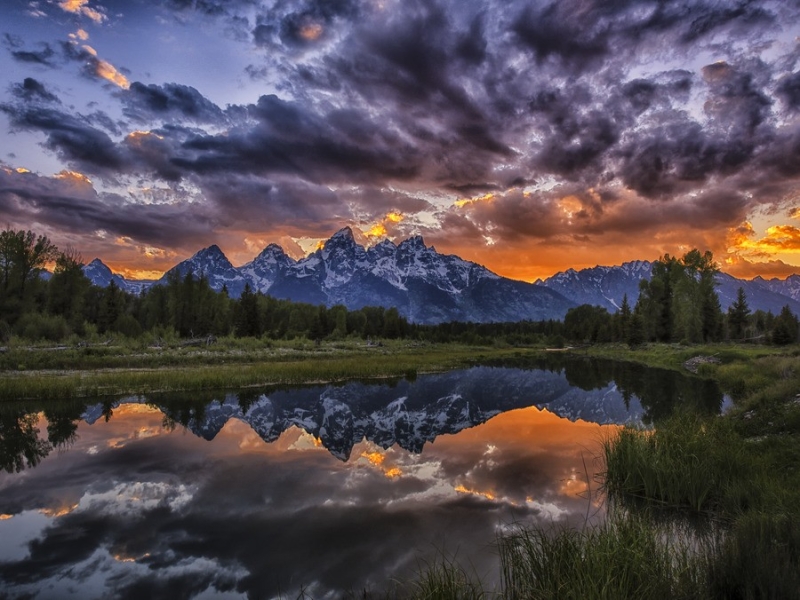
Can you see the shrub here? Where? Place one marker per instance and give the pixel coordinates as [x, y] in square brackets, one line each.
[36, 327]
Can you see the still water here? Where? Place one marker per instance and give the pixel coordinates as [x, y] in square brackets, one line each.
[328, 490]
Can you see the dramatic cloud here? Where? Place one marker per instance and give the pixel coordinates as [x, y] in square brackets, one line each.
[81, 7]
[93, 65]
[584, 121]
[146, 103]
[31, 90]
[42, 57]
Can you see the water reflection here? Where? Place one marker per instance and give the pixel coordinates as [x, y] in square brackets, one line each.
[129, 499]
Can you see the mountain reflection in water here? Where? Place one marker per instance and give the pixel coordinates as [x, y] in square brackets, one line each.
[162, 497]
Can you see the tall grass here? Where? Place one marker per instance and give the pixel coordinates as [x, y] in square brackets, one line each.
[758, 559]
[446, 579]
[700, 464]
[626, 557]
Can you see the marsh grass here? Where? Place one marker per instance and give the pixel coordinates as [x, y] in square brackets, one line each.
[699, 464]
[625, 557]
[758, 559]
[233, 370]
[446, 579]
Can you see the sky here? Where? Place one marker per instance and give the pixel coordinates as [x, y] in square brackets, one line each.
[528, 136]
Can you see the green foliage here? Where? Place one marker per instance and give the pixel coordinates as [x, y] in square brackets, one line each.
[37, 327]
[625, 557]
[680, 301]
[785, 328]
[738, 314]
[686, 462]
[445, 579]
[759, 558]
[20, 445]
[588, 323]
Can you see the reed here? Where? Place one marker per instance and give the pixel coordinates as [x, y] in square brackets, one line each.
[686, 462]
[446, 579]
[626, 557]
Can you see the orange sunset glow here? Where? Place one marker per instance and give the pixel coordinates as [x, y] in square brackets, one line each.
[399, 125]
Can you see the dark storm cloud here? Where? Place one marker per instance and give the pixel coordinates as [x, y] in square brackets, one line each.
[554, 31]
[735, 97]
[103, 120]
[172, 101]
[252, 201]
[71, 138]
[42, 57]
[595, 134]
[743, 15]
[789, 90]
[302, 24]
[74, 206]
[289, 139]
[461, 97]
[31, 90]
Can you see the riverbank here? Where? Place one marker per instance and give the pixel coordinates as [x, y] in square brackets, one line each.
[108, 370]
[700, 508]
[738, 473]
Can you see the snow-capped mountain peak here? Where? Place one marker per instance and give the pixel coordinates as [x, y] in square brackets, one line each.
[607, 286]
[212, 264]
[99, 274]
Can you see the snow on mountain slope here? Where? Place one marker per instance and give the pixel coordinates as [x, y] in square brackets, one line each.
[100, 275]
[606, 286]
[212, 264]
[428, 287]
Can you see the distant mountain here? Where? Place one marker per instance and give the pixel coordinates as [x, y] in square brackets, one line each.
[428, 287]
[601, 286]
[425, 286]
[606, 286]
[212, 264]
[788, 287]
[100, 275]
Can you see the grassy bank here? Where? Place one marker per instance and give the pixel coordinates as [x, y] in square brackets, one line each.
[116, 370]
[740, 471]
[738, 474]
[700, 507]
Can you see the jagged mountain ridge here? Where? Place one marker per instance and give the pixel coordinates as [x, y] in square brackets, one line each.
[429, 287]
[424, 285]
[606, 286]
[211, 263]
[100, 275]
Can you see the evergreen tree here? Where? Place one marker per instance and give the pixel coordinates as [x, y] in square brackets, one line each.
[111, 307]
[785, 328]
[247, 322]
[66, 290]
[738, 313]
[624, 319]
[636, 332]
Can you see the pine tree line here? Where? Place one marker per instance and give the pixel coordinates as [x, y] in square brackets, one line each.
[678, 304]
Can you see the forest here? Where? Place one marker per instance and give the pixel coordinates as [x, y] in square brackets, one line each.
[679, 304]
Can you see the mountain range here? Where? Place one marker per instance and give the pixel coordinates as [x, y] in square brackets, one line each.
[428, 287]
[606, 287]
